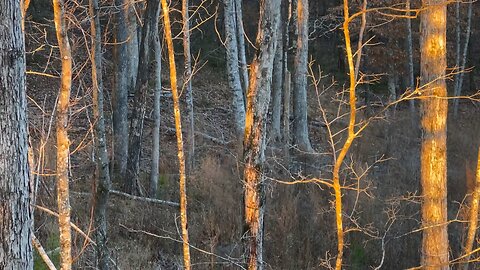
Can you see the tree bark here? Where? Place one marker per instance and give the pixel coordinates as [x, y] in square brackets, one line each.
[63, 143]
[122, 86]
[411, 78]
[434, 124]
[277, 87]
[241, 44]
[459, 83]
[150, 27]
[232, 66]
[178, 130]
[16, 214]
[300, 104]
[473, 219]
[102, 175]
[187, 76]
[258, 99]
[154, 172]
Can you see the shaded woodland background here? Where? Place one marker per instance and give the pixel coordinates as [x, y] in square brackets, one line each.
[299, 222]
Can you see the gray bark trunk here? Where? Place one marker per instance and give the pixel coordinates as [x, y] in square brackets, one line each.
[154, 172]
[241, 44]
[120, 93]
[187, 76]
[102, 179]
[277, 87]
[232, 66]
[254, 141]
[459, 83]
[300, 105]
[150, 26]
[16, 214]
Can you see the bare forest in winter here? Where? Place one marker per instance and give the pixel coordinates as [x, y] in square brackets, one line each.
[239, 134]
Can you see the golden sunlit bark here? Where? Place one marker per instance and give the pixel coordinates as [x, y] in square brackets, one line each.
[350, 137]
[178, 129]
[434, 135]
[258, 98]
[472, 227]
[63, 142]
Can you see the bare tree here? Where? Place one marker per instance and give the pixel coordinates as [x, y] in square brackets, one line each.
[258, 98]
[241, 44]
[188, 85]
[434, 124]
[411, 78]
[63, 143]
[178, 131]
[154, 172]
[150, 27]
[277, 85]
[462, 64]
[102, 175]
[16, 214]
[300, 105]
[473, 218]
[234, 82]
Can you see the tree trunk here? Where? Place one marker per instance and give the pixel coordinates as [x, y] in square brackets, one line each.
[277, 87]
[187, 76]
[178, 130]
[434, 124]
[154, 172]
[63, 143]
[150, 27]
[287, 15]
[102, 179]
[120, 93]
[232, 66]
[459, 84]
[411, 78]
[16, 215]
[241, 44]
[472, 227]
[258, 99]
[300, 104]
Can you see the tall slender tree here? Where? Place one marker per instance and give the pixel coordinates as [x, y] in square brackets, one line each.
[63, 143]
[187, 264]
[150, 27]
[233, 74]
[434, 136]
[300, 105]
[241, 44]
[15, 212]
[102, 175]
[187, 76]
[258, 99]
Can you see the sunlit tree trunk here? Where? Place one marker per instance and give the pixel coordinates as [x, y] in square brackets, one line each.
[286, 14]
[233, 74]
[15, 212]
[188, 85]
[473, 222]
[150, 27]
[258, 98]
[154, 172]
[63, 143]
[434, 135]
[241, 44]
[459, 77]
[300, 105]
[178, 131]
[102, 179]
